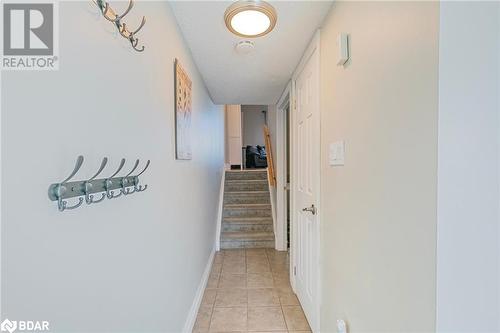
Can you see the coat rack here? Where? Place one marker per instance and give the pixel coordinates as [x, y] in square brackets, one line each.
[110, 15]
[110, 187]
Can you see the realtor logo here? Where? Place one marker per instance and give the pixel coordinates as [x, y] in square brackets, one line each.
[8, 326]
[29, 31]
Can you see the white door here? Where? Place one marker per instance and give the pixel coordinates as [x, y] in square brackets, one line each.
[234, 137]
[306, 186]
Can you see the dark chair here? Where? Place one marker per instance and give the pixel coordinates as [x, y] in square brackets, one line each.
[256, 157]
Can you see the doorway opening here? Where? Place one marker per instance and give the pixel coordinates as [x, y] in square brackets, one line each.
[254, 150]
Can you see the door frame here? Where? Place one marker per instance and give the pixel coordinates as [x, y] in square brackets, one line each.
[312, 50]
[281, 207]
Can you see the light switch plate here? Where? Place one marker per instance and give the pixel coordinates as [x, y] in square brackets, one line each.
[341, 326]
[343, 49]
[337, 153]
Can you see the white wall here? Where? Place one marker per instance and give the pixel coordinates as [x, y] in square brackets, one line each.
[253, 122]
[378, 212]
[468, 238]
[131, 264]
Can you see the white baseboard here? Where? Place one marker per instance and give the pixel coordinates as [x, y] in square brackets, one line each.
[220, 211]
[193, 312]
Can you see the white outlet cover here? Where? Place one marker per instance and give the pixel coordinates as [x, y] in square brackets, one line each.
[341, 326]
[337, 153]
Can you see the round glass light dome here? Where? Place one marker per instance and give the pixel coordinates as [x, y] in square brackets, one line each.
[250, 18]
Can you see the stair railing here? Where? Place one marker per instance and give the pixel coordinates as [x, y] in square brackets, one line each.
[269, 153]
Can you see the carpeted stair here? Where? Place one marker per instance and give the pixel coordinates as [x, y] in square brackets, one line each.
[247, 218]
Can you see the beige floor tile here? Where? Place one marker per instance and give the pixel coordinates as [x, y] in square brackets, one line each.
[281, 273]
[216, 268]
[265, 318]
[258, 267]
[228, 280]
[234, 253]
[213, 281]
[281, 281]
[295, 318]
[231, 298]
[281, 285]
[279, 267]
[278, 259]
[208, 297]
[257, 259]
[229, 267]
[284, 290]
[235, 257]
[229, 319]
[218, 258]
[203, 319]
[276, 254]
[263, 297]
[288, 298]
[260, 280]
[256, 252]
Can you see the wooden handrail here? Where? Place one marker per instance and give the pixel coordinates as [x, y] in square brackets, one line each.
[269, 153]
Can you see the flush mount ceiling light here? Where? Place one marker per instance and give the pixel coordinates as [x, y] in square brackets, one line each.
[249, 18]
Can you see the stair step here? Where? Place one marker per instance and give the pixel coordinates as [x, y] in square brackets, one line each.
[248, 211]
[248, 220]
[247, 206]
[248, 236]
[237, 244]
[247, 174]
[246, 185]
[247, 224]
[247, 227]
[246, 181]
[238, 240]
[253, 197]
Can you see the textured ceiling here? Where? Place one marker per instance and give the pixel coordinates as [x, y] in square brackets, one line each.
[261, 76]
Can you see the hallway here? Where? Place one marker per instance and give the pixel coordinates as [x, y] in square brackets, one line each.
[249, 290]
[179, 166]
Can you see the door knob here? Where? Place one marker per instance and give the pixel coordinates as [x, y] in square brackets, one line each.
[311, 209]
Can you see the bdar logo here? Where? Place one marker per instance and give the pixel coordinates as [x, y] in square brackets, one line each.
[8, 326]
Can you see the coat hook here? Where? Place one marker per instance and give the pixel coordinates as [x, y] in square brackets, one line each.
[110, 15]
[125, 181]
[108, 182]
[117, 18]
[130, 5]
[143, 22]
[135, 44]
[101, 4]
[89, 198]
[137, 187]
[60, 189]
[124, 32]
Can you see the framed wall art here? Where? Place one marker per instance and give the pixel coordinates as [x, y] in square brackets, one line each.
[183, 113]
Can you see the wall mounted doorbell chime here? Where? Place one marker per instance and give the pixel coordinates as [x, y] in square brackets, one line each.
[111, 187]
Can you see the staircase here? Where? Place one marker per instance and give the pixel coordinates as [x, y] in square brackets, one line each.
[247, 218]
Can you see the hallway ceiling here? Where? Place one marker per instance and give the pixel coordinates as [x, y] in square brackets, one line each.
[261, 76]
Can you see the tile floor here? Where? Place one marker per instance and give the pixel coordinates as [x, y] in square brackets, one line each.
[249, 291]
